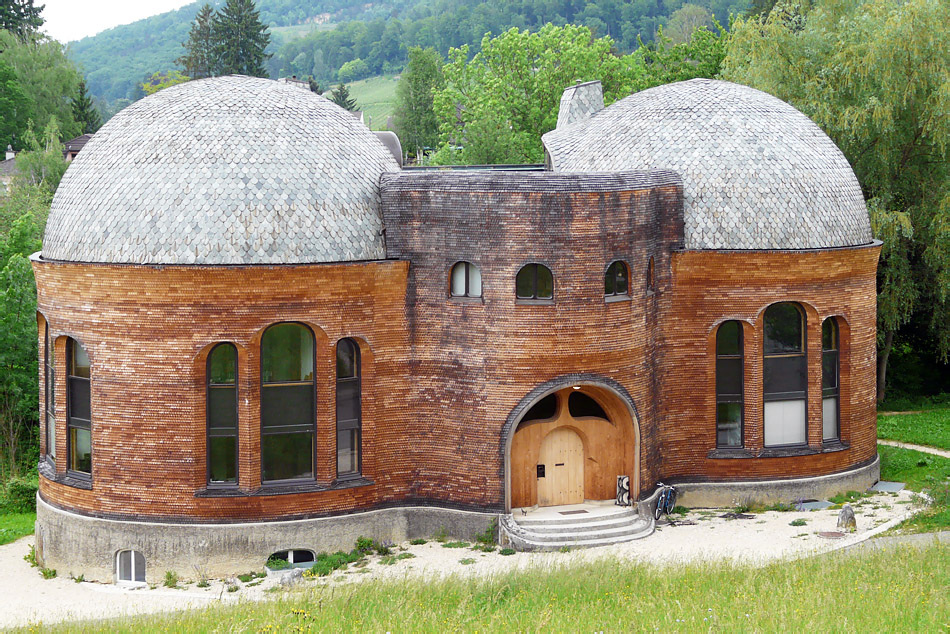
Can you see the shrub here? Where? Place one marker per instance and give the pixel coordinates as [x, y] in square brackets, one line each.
[19, 495]
[276, 563]
[488, 537]
[365, 545]
[171, 579]
[417, 542]
[203, 583]
[325, 563]
[506, 551]
[801, 521]
[250, 576]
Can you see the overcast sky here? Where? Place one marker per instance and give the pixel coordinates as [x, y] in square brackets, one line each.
[68, 20]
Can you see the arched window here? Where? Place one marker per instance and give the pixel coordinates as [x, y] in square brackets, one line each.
[616, 280]
[785, 375]
[542, 410]
[830, 383]
[651, 276]
[466, 280]
[580, 405]
[222, 414]
[288, 402]
[130, 566]
[79, 409]
[50, 357]
[348, 408]
[729, 413]
[534, 281]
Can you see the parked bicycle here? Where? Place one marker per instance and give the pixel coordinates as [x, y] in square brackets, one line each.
[666, 502]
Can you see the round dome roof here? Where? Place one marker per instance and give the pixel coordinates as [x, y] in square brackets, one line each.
[757, 173]
[229, 170]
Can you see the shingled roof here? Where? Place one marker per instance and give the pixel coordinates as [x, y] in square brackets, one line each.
[757, 173]
[229, 170]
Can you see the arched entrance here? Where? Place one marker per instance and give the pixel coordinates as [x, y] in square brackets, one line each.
[570, 445]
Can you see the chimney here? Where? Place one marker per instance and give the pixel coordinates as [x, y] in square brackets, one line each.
[10, 153]
[579, 102]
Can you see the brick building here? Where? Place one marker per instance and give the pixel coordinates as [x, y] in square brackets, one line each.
[258, 334]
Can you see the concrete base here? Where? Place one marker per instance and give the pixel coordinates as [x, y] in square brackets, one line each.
[765, 492]
[76, 545]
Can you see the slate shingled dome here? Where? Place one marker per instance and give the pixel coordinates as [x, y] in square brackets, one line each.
[230, 170]
[757, 173]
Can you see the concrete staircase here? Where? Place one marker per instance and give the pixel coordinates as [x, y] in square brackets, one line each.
[578, 526]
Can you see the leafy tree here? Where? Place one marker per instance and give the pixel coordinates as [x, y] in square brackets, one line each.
[875, 75]
[85, 112]
[41, 163]
[414, 116]
[686, 20]
[199, 57]
[20, 16]
[240, 39]
[14, 107]
[353, 70]
[158, 81]
[341, 97]
[314, 86]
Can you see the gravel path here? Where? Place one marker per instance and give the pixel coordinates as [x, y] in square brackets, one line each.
[705, 536]
[924, 448]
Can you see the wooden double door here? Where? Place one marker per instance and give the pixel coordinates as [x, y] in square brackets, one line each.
[561, 468]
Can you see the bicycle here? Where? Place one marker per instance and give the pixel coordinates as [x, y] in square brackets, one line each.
[666, 502]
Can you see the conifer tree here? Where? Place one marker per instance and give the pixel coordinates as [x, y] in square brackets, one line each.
[84, 111]
[341, 97]
[199, 58]
[240, 39]
[20, 16]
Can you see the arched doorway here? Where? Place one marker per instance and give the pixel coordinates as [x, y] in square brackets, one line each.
[570, 445]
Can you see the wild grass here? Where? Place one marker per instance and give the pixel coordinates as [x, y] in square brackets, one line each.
[13, 526]
[376, 96]
[904, 588]
[928, 427]
[921, 472]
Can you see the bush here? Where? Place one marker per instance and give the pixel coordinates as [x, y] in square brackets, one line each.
[276, 563]
[19, 495]
[171, 579]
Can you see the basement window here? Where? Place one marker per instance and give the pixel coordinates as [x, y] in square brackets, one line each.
[130, 567]
[296, 558]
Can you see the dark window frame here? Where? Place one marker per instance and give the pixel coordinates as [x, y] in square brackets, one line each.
[49, 354]
[467, 293]
[651, 276]
[237, 434]
[835, 391]
[611, 273]
[351, 423]
[86, 424]
[728, 397]
[313, 422]
[798, 395]
[534, 297]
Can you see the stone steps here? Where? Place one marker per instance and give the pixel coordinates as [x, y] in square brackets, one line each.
[554, 533]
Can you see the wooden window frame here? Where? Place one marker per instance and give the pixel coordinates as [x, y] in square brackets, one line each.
[468, 268]
[352, 423]
[611, 272]
[835, 391]
[82, 423]
[534, 297]
[208, 435]
[799, 395]
[49, 354]
[731, 398]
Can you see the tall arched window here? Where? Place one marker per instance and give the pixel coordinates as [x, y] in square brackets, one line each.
[288, 402]
[50, 357]
[830, 383]
[534, 281]
[785, 375]
[616, 280]
[79, 409]
[222, 414]
[466, 280]
[348, 408]
[729, 414]
[651, 276]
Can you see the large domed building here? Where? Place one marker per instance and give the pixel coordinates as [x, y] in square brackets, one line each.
[260, 335]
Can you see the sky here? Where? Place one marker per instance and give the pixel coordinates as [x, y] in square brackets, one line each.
[68, 20]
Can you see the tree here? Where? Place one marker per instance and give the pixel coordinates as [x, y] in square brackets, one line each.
[341, 97]
[240, 39]
[14, 107]
[85, 112]
[414, 115]
[20, 16]
[353, 70]
[41, 163]
[199, 58]
[875, 75]
[158, 81]
[314, 86]
[685, 21]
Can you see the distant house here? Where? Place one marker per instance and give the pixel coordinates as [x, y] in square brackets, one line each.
[72, 147]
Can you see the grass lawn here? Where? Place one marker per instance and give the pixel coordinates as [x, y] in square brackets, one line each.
[929, 427]
[904, 589]
[13, 526]
[375, 96]
[921, 472]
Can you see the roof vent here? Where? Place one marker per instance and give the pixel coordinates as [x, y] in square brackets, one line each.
[579, 102]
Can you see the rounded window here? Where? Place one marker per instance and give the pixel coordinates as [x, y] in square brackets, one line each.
[534, 281]
[466, 280]
[616, 280]
[130, 566]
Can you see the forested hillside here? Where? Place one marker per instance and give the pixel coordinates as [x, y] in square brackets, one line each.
[323, 37]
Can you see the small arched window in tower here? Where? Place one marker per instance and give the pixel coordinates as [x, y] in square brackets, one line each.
[79, 409]
[651, 276]
[616, 280]
[542, 410]
[830, 379]
[466, 280]
[580, 405]
[348, 409]
[729, 384]
[534, 281]
[50, 356]
[785, 375]
[288, 402]
[222, 414]
[130, 566]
